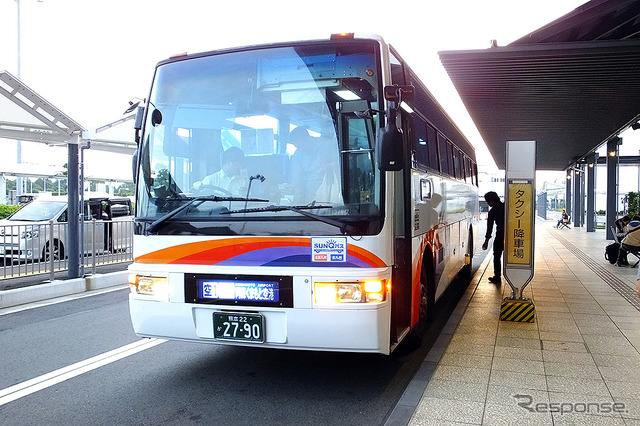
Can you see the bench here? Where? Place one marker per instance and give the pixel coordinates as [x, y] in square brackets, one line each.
[565, 223]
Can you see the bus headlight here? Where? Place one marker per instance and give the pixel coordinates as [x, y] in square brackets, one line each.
[331, 293]
[157, 287]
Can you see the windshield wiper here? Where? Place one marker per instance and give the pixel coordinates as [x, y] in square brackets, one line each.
[344, 228]
[160, 221]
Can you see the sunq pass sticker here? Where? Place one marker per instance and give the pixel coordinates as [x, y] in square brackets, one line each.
[329, 249]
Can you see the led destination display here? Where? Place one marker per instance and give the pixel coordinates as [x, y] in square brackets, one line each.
[256, 291]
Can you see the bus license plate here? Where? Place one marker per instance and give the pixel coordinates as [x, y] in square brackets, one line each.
[236, 326]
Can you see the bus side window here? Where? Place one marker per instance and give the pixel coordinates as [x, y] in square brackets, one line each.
[359, 165]
[475, 174]
[467, 170]
[449, 158]
[420, 152]
[444, 155]
[432, 148]
[457, 163]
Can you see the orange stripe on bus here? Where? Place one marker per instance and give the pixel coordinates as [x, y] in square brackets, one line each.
[175, 253]
[211, 252]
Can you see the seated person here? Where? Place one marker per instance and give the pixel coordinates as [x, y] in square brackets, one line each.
[564, 218]
[620, 224]
[232, 177]
[314, 168]
[631, 241]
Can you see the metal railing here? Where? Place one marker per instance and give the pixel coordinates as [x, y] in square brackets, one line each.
[41, 248]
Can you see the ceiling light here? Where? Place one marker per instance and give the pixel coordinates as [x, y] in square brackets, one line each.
[347, 95]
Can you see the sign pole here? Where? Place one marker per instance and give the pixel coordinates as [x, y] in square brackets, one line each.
[519, 229]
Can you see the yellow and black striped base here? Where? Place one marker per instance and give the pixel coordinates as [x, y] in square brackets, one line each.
[517, 310]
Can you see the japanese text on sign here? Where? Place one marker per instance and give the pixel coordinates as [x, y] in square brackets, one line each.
[519, 226]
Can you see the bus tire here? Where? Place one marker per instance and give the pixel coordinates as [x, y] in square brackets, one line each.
[427, 304]
[467, 269]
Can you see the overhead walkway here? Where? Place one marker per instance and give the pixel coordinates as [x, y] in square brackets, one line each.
[580, 357]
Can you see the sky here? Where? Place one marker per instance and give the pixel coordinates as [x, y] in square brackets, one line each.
[89, 58]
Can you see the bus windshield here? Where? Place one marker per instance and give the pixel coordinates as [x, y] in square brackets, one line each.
[255, 137]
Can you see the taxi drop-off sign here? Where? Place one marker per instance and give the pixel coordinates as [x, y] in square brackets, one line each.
[519, 211]
[519, 215]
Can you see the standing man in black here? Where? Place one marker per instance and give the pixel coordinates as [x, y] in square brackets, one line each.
[496, 215]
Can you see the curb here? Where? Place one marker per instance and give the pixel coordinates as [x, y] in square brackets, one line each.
[406, 406]
[58, 288]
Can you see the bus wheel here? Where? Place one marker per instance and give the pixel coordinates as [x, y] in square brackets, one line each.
[426, 308]
[57, 252]
[467, 269]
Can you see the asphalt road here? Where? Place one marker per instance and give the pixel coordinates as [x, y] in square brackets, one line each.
[78, 362]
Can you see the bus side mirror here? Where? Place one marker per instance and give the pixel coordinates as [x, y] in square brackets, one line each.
[134, 165]
[390, 150]
[138, 124]
[391, 142]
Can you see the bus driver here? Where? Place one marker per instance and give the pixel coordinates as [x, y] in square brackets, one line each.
[231, 177]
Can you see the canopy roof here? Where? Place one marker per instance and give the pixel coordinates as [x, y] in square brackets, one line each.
[571, 85]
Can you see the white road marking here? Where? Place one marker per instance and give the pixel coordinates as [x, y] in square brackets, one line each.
[42, 382]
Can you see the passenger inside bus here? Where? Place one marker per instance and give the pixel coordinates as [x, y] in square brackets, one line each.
[314, 171]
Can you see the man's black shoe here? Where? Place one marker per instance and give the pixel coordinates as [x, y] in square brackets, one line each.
[495, 280]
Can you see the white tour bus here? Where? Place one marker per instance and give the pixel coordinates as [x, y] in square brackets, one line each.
[305, 195]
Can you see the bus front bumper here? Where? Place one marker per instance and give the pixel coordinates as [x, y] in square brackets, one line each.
[345, 330]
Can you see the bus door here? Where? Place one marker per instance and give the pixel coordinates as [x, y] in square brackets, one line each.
[402, 278]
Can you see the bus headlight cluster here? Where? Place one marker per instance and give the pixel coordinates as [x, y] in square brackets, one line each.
[158, 287]
[331, 293]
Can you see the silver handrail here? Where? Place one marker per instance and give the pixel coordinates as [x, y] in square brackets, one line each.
[32, 249]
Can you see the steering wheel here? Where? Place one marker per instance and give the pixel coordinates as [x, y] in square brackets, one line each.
[206, 189]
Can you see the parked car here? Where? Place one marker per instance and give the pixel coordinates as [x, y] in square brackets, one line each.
[38, 231]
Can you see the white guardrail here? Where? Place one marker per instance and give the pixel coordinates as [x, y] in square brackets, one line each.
[42, 248]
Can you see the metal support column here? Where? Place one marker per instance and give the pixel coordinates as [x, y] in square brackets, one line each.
[567, 192]
[73, 184]
[583, 184]
[612, 184]
[577, 198]
[591, 192]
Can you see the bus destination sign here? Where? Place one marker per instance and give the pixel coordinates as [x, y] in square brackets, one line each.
[255, 291]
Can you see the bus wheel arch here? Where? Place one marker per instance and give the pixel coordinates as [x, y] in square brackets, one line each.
[426, 302]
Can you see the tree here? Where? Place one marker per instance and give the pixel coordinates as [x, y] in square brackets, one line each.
[126, 189]
[634, 204]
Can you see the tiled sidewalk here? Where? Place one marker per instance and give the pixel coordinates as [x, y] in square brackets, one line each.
[579, 363]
